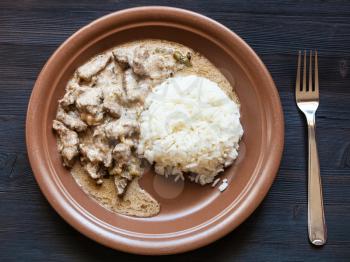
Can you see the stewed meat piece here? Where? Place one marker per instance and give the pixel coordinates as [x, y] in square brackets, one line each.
[68, 99]
[68, 141]
[149, 61]
[121, 153]
[120, 185]
[127, 174]
[135, 91]
[124, 55]
[110, 82]
[71, 119]
[94, 66]
[98, 150]
[92, 169]
[73, 90]
[122, 127]
[89, 103]
[111, 105]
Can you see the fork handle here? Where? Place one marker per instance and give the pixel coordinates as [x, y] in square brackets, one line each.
[316, 220]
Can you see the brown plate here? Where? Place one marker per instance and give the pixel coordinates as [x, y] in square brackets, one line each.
[191, 216]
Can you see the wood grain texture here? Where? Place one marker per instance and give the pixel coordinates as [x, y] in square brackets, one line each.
[30, 31]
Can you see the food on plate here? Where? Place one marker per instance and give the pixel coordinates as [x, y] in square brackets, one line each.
[135, 201]
[103, 122]
[189, 125]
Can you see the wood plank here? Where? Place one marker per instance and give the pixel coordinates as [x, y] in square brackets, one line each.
[30, 31]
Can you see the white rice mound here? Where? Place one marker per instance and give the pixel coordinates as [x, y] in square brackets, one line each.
[189, 125]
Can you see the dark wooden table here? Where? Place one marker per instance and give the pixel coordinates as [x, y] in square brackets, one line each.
[277, 231]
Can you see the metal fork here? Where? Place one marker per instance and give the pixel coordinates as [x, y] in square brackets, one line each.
[307, 99]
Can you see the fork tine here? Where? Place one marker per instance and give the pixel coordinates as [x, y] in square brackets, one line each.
[316, 73]
[310, 73]
[304, 73]
[297, 82]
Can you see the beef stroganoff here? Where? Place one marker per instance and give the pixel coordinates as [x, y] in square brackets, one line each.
[102, 122]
